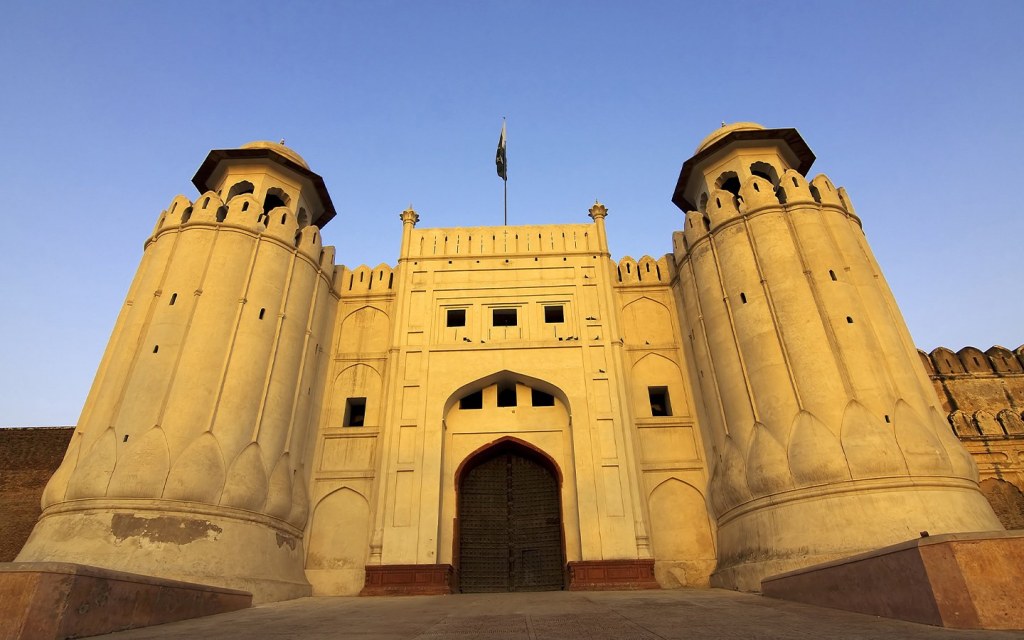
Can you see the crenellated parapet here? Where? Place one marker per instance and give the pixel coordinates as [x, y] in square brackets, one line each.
[474, 242]
[363, 280]
[971, 361]
[244, 212]
[646, 271]
[721, 208]
[982, 391]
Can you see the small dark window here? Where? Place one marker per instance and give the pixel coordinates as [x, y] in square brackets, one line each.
[245, 206]
[743, 298]
[156, 348]
[554, 314]
[887, 418]
[541, 399]
[239, 188]
[174, 298]
[262, 311]
[731, 184]
[125, 438]
[355, 412]
[849, 319]
[507, 394]
[474, 400]
[832, 274]
[505, 318]
[456, 318]
[272, 202]
[659, 401]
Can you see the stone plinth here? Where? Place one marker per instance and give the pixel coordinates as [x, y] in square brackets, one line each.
[408, 580]
[41, 600]
[964, 581]
[600, 575]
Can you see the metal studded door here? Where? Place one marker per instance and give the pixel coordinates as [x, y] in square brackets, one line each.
[510, 531]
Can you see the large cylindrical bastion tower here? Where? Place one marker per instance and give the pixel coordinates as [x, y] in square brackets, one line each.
[824, 433]
[189, 460]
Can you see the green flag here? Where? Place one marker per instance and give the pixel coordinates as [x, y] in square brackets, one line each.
[500, 158]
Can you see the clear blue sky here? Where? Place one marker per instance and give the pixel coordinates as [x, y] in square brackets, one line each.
[108, 108]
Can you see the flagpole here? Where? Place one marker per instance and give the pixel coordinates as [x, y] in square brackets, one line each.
[501, 162]
[506, 170]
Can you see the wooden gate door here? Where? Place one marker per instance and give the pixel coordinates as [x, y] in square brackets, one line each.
[510, 530]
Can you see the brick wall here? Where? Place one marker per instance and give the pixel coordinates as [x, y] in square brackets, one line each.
[983, 394]
[28, 457]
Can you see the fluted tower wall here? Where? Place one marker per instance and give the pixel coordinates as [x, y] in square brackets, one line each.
[189, 458]
[824, 436]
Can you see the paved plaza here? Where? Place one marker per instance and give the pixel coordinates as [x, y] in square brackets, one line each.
[622, 615]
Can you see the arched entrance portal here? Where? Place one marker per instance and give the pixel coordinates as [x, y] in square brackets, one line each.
[509, 522]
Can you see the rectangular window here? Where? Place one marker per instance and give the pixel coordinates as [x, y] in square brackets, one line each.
[505, 317]
[659, 401]
[456, 318]
[507, 394]
[553, 314]
[474, 400]
[355, 412]
[541, 399]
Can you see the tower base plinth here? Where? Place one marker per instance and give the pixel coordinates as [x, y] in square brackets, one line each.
[958, 580]
[814, 525]
[217, 546]
[41, 600]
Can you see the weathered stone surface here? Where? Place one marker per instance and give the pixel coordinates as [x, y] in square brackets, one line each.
[964, 581]
[40, 601]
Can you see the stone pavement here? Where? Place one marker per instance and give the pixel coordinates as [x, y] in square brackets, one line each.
[622, 615]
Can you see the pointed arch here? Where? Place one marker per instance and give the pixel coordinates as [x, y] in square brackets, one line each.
[684, 548]
[364, 330]
[358, 380]
[654, 370]
[507, 376]
[647, 321]
[338, 542]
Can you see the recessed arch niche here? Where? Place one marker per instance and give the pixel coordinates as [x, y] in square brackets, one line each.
[646, 321]
[364, 331]
[338, 543]
[546, 428]
[681, 533]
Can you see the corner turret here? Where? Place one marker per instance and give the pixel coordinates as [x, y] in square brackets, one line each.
[732, 154]
[816, 408]
[274, 174]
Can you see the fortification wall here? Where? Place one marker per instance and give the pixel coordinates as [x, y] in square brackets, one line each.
[983, 395]
[28, 457]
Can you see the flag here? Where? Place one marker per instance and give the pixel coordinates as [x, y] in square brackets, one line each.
[500, 157]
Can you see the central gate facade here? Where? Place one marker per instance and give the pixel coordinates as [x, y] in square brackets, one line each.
[510, 525]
